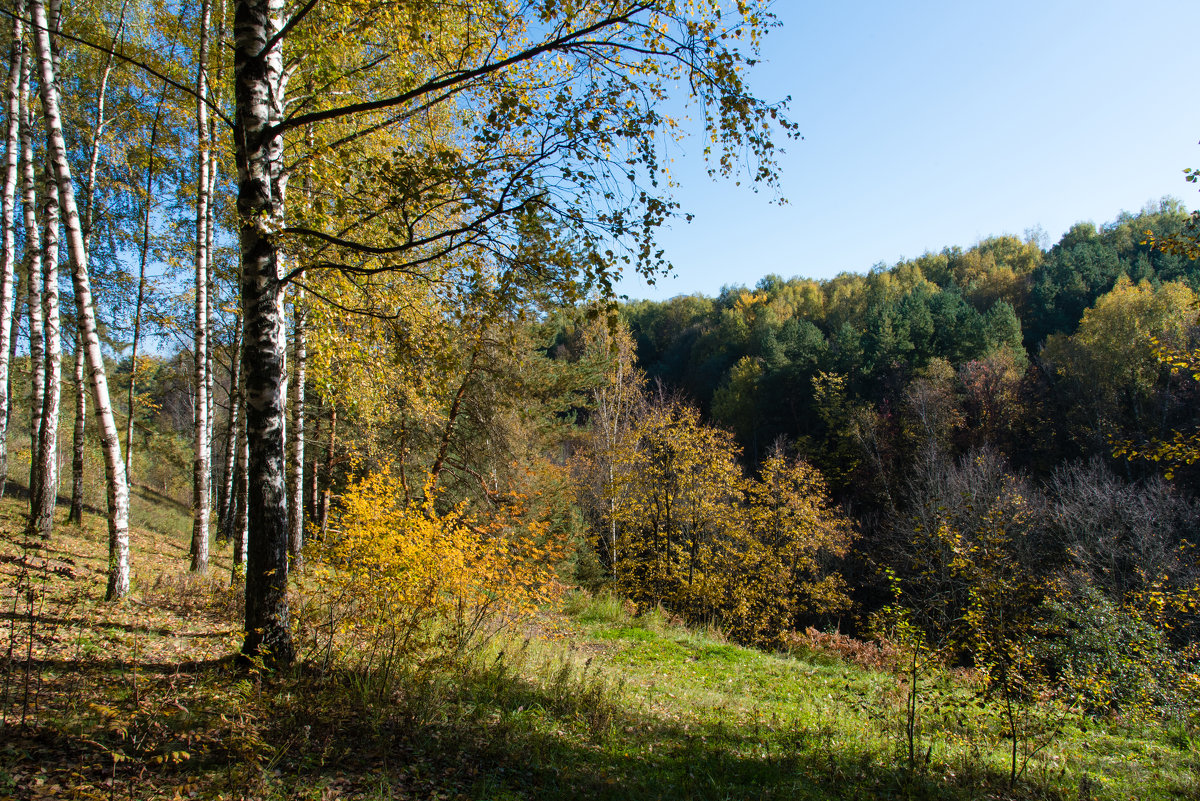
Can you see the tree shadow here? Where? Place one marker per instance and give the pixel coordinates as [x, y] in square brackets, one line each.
[491, 736]
[483, 733]
[151, 495]
[101, 625]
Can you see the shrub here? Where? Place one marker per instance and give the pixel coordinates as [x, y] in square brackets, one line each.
[879, 655]
[1111, 659]
[406, 585]
[753, 556]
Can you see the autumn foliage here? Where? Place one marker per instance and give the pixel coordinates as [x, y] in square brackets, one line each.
[408, 580]
[754, 555]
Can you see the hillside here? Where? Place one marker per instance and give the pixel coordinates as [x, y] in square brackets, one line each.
[143, 700]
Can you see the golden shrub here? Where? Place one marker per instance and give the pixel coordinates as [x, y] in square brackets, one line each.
[405, 581]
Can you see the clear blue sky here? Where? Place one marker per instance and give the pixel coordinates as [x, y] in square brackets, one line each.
[930, 124]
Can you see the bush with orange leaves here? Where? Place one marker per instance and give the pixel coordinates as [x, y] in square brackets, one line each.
[404, 585]
[756, 556]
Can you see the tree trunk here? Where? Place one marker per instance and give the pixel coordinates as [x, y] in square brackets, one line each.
[12, 153]
[314, 470]
[241, 491]
[259, 97]
[296, 506]
[77, 440]
[144, 256]
[327, 472]
[202, 466]
[118, 490]
[225, 496]
[214, 170]
[18, 310]
[89, 216]
[33, 288]
[43, 501]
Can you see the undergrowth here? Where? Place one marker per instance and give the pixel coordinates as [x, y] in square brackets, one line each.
[142, 700]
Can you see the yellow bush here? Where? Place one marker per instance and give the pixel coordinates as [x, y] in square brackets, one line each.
[408, 584]
[754, 555]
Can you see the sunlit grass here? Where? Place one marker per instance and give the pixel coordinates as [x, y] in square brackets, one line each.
[591, 702]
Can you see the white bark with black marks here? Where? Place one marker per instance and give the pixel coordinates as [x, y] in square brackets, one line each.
[44, 499]
[77, 437]
[225, 496]
[89, 215]
[241, 491]
[202, 465]
[259, 96]
[33, 284]
[12, 154]
[118, 490]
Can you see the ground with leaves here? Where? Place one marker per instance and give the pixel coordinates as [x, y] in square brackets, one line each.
[142, 700]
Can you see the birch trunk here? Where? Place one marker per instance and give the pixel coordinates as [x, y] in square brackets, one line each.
[18, 308]
[77, 438]
[225, 496]
[89, 216]
[118, 490]
[214, 87]
[327, 472]
[12, 153]
[296, 506]
[131, 393]
[201, 469]
[259, 97]
[314, 483]
[33, 288]
[43, 501]
[241, 490]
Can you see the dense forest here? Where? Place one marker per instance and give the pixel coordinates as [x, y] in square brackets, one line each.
[335, 282]
[1006, 400]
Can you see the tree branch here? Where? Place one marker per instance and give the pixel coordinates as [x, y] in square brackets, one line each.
[563, 42]
[113, 53]
[291, 23]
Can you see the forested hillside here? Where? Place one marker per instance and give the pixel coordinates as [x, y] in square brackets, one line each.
[1007, 328]
[335, 467]
[994, 444]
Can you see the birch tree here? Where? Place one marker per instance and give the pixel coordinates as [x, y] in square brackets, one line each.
[617, 400]
[296, 451]
[79, 385]
[44, 497]
[44, 460]
[143, 263]
[118, 490]
[12, 153]
[225, 494]
[33, 284]
[202, 466]
[555, 92]
[240, 517]
[78, 432]
[259, 87]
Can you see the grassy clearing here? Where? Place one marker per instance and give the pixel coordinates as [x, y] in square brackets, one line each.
[141, 700]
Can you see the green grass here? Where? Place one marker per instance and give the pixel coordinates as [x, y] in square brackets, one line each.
[140, 700]
[730, 722]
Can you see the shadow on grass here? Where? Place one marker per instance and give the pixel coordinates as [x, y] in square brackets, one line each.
[155, 496]
[15, 489]
[41, 621]
[488, 735]
[485, 733]
[94, 666]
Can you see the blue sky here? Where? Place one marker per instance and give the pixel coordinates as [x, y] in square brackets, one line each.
[930, 124]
